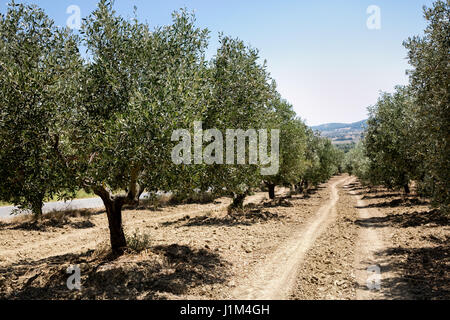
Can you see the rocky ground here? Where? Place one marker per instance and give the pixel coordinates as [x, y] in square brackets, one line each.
[297, 247]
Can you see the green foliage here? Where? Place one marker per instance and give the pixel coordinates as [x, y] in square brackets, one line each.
[240, 93]
[322, 158]
[138, 241]
[408, 131]
[356, 163]
[346, 147]
[139, 87]
[292, 160]
[37, 61]
[430, 84]
[390, 140]
[104, 124]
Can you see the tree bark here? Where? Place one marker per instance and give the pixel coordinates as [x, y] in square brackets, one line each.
[300, 187]
[271, 188]
[238, 201]
[405, 183]
[305, 186]
[114, 214]
[141, 191]
[37, 206]
[113, 206]
[406, 188]
[37, 210]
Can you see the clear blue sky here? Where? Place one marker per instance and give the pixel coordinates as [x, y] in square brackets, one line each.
[326, 61]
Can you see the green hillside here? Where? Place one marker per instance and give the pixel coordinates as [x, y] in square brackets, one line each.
[342, 133]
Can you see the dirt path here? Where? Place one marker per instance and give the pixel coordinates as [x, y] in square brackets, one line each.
[367, 263]
[274, 277]
[308, 247]
[373, 274]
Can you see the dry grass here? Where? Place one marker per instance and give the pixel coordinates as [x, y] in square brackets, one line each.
[154, 202]
[138, 241]
[201, 198]
[57, 219]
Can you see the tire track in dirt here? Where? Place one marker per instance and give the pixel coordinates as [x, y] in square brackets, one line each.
[371, 262]
[370, 242]
[327, 272]
[276, 275]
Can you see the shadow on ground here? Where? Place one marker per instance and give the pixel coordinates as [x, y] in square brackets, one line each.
[251, 214]
[245, 219]
[171, 269]
[406, 220]
[52, 223]
[382, 196]
[360, 190]
[424, 273]
[407, 202]
[421, 261]
[54, 219]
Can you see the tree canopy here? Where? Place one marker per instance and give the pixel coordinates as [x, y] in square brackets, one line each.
[110, 121]
[407, 138]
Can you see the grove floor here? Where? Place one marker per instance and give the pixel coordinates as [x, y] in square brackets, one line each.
[317, 246]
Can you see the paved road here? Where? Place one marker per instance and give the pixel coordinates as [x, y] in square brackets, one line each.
[5, 212]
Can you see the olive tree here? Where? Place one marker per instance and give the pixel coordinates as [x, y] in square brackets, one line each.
[240, 93]
[138, 86]
[37, 64]
[323, 160]
[356, 162]
[429, 81]
[389, 140]
[292, 155]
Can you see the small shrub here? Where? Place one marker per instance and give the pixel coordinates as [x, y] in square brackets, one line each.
[138, 241]
[154, 201]
[102, 251]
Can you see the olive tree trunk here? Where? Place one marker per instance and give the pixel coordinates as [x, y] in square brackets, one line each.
[114, 214]
[305, 186]
[37, 205]
[271, 188]
[299, 188]
[113, 206]
[37, 210]
[238, 201]
[406, 188]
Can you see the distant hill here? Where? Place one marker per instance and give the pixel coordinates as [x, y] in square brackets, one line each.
[334, 126]
[342, 133]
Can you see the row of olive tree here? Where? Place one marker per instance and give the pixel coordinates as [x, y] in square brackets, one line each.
[306, 158]
[104, 122]
[407, 137]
